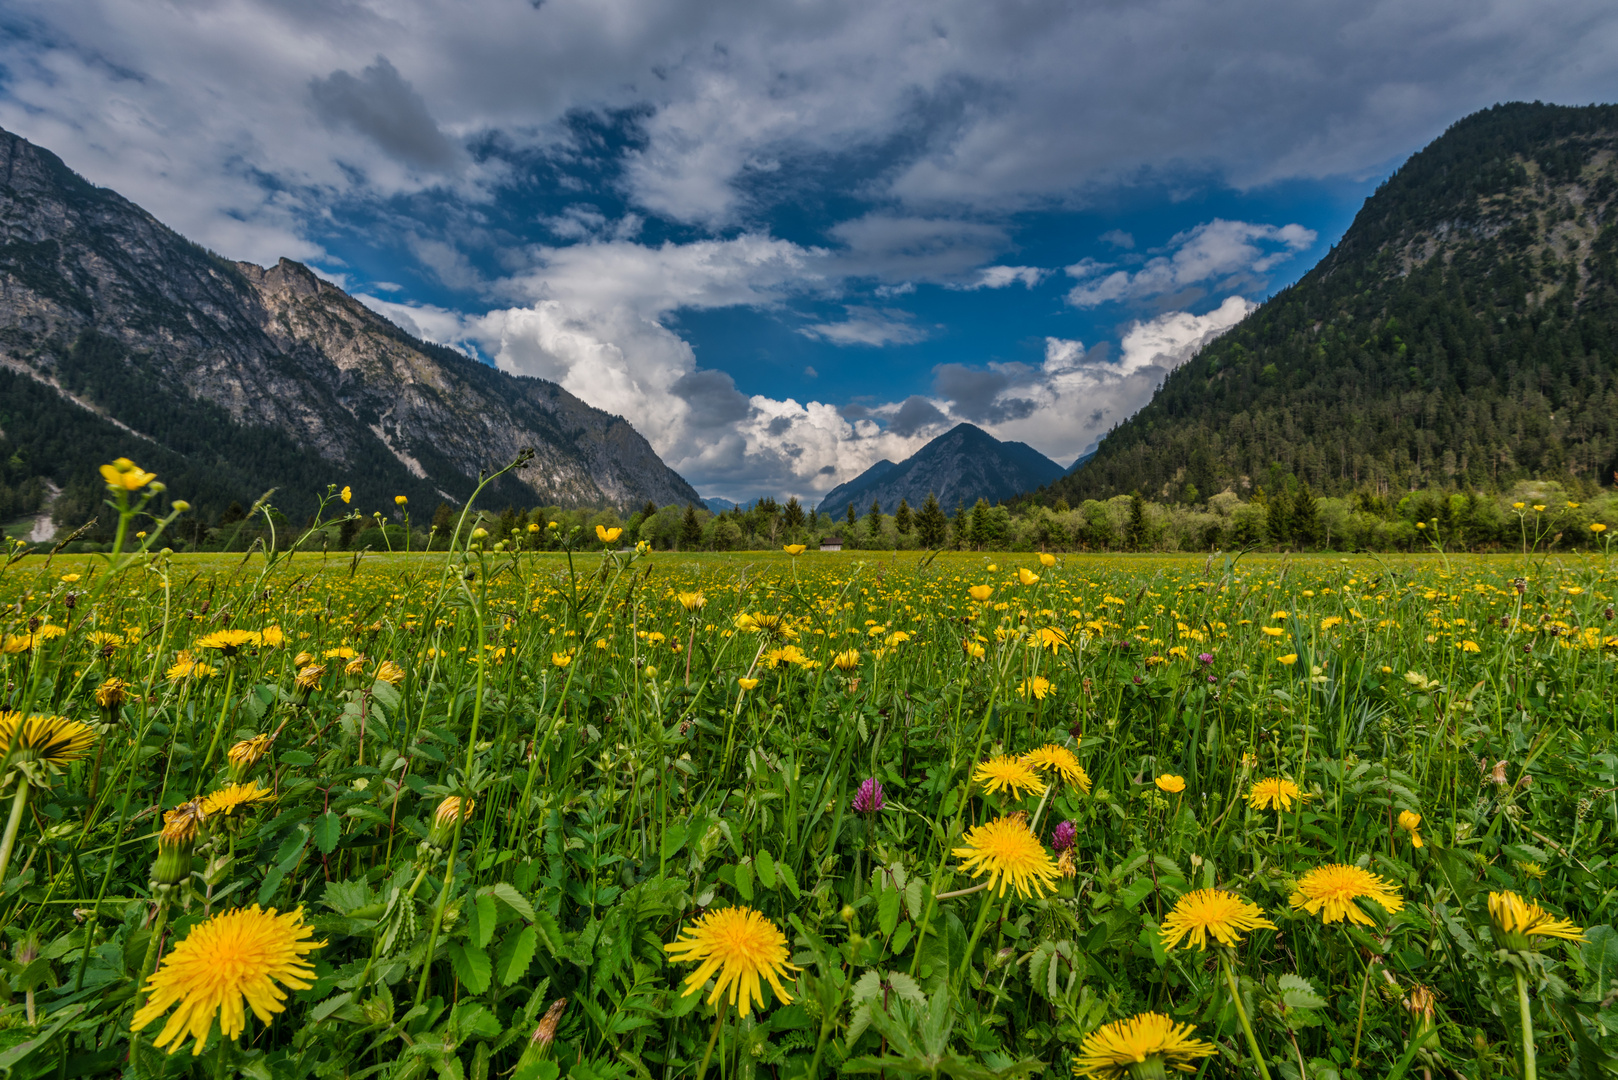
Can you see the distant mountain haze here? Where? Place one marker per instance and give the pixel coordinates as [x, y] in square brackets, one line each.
[1463, 334]
[118, 337]
[960, 467]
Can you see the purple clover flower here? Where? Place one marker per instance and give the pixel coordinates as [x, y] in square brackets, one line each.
[868, 799]
[1205, 657]
[1064, 836]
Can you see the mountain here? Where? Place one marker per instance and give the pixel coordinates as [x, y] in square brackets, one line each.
[961, 466]
[1463, 333]
[118, 337]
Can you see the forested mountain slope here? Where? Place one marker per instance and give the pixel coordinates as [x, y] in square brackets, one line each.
[1464, 333]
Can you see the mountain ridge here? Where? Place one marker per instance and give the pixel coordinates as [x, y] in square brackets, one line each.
[961, 466]
[238, 378]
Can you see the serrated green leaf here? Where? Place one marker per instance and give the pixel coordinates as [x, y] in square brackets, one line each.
[744, 881]
[516, 954]
[784, 872]
[328, 830]
[550, 934]
[331, 1005]
[471, 965]
[295, 757]
[508, 895]
[483, 920]
[887, 911]
[766, 869]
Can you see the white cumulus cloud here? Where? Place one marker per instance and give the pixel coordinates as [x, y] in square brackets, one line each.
[1218, 254]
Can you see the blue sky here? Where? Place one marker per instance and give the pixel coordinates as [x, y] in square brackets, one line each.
[786, 240]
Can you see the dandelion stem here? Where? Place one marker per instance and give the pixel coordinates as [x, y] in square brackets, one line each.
[13, 823]
[977, 932]
[718, 1020]
[1529, 1071]
[219, 729]
[1247, 1027]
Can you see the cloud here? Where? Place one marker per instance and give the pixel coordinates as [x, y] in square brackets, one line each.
[1220, 254]
[998, 277]
[1118, 239]
[868, 326]
[916, 414]
[382, 106]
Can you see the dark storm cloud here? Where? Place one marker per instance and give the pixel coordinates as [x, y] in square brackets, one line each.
[382, 106]
[916, 414]
[715, 402]
[983, 394]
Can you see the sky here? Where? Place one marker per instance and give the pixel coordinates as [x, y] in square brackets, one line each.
[786, 240]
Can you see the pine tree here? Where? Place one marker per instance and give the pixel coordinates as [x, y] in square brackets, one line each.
[1305, 518]
[902, 518]
[792, 517]
[873, 519]
[931, 524]
[961, 527]
[853, 518]
[1137, 535]
[814, 518]
[690, 529]
[980, 524]
[1278, 518]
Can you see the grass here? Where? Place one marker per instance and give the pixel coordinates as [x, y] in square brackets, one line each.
[622, 782]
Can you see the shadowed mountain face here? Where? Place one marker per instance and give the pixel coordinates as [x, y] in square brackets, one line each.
[960, 467]
[118, 337]
[1463, 333]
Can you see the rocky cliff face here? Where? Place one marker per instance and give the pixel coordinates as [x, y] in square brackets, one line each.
[121, 332]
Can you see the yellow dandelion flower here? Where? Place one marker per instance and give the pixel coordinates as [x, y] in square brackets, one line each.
[1039, 687]
[847, 660]
[233, 797]
[1006, 773]
[1150, 1040]
[309, 677]
[1410, 822]
[272, 637]
[236, 957]
[54, 741]
[1205, 913]
[1048, 637]
[112, 693]
[1008, 851]
[249, 752]
[691, 601]
[1170, 783]
[1274, 794]
[181, 824]
[187, 666]
[743, 948]
[389, 672]
[1060, 760]
[1330, 892]
[1517, 920]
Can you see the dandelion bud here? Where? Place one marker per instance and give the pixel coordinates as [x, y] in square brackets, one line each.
[111, 695]
[181, 506]
[448, 813]
[539, 1043]
[176, 843]
[246, 754]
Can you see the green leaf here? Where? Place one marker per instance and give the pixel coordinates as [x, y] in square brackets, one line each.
[471, 965]
[295, 757]
[516, 954]
[766, 869]
[673, 839]
[1298, 993]
[550, 934]
[783, 870]
[331, 1005]
[887, 911]
[744, 881]
[483, 920]
[328, 830]
[1600, 955]
[508, 895]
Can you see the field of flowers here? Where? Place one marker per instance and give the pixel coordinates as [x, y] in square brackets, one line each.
[609, 813]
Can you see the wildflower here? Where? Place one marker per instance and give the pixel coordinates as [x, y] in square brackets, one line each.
[1062, 761]
[1038, 687]
[1330, 892]
[187, 666]
[1064, 864]
[539, 1043]
[691, 601]
[1517, 920]
[355, 666]
[1410, 822]
[125, 475]
[847, 660]
[54, 741]
[227, 641]
[1598, 528]
[347, 494]
[234, 957]
[898, 637]
[1289, 659]
[1205, 658]
[742, 946]
[400, 500]
[1274, 794]
[247, 753]
[1272, 631]
[868, 799]
[794, 549]
[309, 677]
[176, 843]
[1047, 560]
[1170, 783]
[1005, 773]
[227, 800]
[747, 684]
[112, 693]
[1469, 646]
[272, 637]
[974, 649]
[1532, 870]
[606, 535]
[1064, 836]
[452, 809]
[1048, 637]
[1026, 576]
[1151, 1041]
[1215, 913]
[980, 593]
[1009, 852]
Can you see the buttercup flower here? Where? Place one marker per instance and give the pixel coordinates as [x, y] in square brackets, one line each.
[125, 475]
[980, 593]
[1170, 783]
[1026, 576]
[743, 948]
[1410, 822]
[794, 549]
[606, 535]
